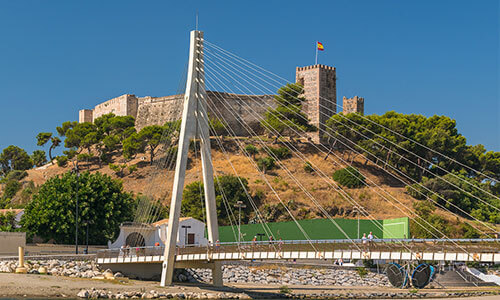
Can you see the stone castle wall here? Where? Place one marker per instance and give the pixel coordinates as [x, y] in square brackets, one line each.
[158, 110]
[237, 110]
[320, 91]
[124, 105]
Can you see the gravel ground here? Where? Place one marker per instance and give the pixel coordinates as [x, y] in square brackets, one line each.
[43, 286]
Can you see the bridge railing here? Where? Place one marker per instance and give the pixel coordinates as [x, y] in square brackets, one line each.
[390, 245]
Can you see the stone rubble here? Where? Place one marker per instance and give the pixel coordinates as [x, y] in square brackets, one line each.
[287, 276]
[231, 274]
[103, 294]
[80, 269]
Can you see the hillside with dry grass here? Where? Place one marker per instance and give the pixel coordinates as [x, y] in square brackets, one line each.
[383, 197]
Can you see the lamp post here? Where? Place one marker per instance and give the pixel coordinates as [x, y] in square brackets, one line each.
[186, 227]
[76, 209]
[239, 205]
[358, 209]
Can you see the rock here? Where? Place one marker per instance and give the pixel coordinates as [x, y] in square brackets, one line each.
[118, 275]
[83, 294]
[42, 270]
[108, 274]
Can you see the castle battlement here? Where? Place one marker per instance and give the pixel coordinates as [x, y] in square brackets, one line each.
[318, 66]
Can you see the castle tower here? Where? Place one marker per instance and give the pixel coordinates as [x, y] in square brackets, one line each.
[85, 115]
[320, 91]
[353, 105]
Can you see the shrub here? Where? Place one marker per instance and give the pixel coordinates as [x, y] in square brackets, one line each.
[118, 169]
[84, 156]
[285, 289]
[259, 195]
[62, 160]
[132, 169]
[349, 177]
[11, 188]
[227, 187]
[266, 163]
[308, 167]
[14, 175]
[218, 128]
[281, 152]
[362, 272]
[252, 150]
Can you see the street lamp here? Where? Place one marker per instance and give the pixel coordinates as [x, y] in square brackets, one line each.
[358, 209]
[186, 227]
[76, 209]
[239, 205]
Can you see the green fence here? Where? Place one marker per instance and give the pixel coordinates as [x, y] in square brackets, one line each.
[321, 229]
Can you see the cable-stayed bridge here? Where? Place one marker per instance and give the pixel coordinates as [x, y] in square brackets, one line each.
[213, 68]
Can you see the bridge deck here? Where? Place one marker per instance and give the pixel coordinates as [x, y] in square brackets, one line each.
[405, 250]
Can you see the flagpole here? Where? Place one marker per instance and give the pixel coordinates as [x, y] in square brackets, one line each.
[316, 61]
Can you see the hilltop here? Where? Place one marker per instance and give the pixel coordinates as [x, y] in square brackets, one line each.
[149, 180]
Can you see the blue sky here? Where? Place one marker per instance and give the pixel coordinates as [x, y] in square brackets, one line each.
[424, 57]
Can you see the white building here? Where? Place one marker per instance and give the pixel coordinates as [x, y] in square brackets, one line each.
[191, 232]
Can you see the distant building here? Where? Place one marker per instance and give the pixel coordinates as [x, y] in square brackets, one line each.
[353, 105]
[191, 232]
[18, 213]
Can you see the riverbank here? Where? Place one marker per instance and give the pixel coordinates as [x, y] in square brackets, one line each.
[44, 286]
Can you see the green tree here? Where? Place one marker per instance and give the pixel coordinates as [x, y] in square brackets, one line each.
[82, 135]
[112, 131]
[252, 150]
[14, 158]
[51, 213]
[132, 145]
[288, 113]
[39, 158]
[232, 187]
[381, 144]
[428, 225]
[7, 221]
[63, 129]
[44, 137]
[151, 138]
[454, 191]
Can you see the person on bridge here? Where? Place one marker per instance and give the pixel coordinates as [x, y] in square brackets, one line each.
[271, 239]
[364, 239]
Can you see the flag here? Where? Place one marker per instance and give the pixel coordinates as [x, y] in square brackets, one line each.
[320, 46]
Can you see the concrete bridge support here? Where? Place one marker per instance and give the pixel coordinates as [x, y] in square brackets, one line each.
[194, 125]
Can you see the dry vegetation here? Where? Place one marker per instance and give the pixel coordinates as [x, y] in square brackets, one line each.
[385, 197]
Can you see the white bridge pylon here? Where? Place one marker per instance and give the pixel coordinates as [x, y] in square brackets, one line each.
[194, 124]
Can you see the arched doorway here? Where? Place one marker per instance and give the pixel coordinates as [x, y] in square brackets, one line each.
[135, 239]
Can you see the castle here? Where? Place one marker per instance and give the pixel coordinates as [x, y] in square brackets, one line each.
[320, 92]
